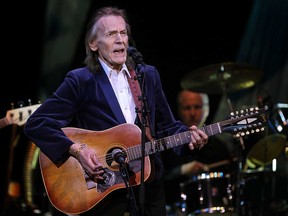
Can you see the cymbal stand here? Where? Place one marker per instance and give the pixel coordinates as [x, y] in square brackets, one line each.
[224, 86]
[225, 90]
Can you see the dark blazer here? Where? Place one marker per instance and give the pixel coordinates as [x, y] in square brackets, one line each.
[86, 100]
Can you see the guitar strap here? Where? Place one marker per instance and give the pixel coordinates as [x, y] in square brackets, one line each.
[136, 92]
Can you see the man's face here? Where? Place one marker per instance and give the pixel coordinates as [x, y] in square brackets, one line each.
[112, 41]
[190, 108]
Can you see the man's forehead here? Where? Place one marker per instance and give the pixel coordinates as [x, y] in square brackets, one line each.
[112, 23]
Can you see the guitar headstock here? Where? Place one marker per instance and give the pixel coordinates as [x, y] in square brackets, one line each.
[20, 115]
[247, 121]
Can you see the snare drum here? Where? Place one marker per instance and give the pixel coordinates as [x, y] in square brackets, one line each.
[207, 193]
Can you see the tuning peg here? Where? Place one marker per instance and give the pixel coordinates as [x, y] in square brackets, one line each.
[20, 104]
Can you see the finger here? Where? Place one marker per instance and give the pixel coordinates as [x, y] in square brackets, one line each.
[191, 146]
[193, 127]
[98, 177]
[98, 171]
[196, 136]
[202, 134]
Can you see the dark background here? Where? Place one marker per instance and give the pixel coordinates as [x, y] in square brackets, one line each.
[175, 37]
[42, 40]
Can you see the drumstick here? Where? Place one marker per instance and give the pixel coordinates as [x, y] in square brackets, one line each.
[220, 163]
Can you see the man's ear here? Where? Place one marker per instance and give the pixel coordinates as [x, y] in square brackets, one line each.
[93, 46]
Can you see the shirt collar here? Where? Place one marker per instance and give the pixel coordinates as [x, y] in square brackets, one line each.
[108, 70]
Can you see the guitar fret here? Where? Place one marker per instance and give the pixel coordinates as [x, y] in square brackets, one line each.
[178, 139]
[212, 129]
[135, 152]
[156, 146]
[162, 145]
[187, 136]
[150, 148]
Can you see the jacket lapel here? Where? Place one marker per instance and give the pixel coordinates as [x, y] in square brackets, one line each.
[110, 96]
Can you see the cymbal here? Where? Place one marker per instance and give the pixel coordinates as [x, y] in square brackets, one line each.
[268, 148]
[222, 78]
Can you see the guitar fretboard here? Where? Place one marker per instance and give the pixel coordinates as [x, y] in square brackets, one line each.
[169, 142]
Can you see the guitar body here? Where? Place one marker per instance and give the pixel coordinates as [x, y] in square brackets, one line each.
[70, 190]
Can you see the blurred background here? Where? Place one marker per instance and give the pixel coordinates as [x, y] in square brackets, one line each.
[236, 51]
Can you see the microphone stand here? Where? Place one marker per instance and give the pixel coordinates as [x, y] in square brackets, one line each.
[130, 194]
[145, 116]
[225, 89]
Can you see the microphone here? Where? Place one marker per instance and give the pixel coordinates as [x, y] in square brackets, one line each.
[118, 156]
[136, 55]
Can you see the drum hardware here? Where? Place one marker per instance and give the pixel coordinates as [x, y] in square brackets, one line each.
[263, 190]
[257, 193]
[224, 78]
[207, 193]
[263, 185]
[176, 209]
[263, 193]
[280, 118]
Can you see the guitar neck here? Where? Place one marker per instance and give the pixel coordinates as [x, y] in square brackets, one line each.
[248, 121]
[169, 142]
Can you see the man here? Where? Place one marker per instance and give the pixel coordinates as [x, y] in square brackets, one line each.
[193, 109]
[98, 97]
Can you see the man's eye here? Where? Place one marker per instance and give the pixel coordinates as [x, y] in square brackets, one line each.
[192, 107]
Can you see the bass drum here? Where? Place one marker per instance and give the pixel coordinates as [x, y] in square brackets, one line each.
[208, 193]
[263, 193]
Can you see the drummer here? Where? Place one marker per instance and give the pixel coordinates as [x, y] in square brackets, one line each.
[193, 109]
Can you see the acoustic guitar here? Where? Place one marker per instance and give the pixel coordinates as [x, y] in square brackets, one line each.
[72, 191]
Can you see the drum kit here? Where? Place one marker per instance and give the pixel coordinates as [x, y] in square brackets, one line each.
[259, 186]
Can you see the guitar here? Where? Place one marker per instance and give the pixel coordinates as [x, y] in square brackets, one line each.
[18, 116]
[72, 191]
